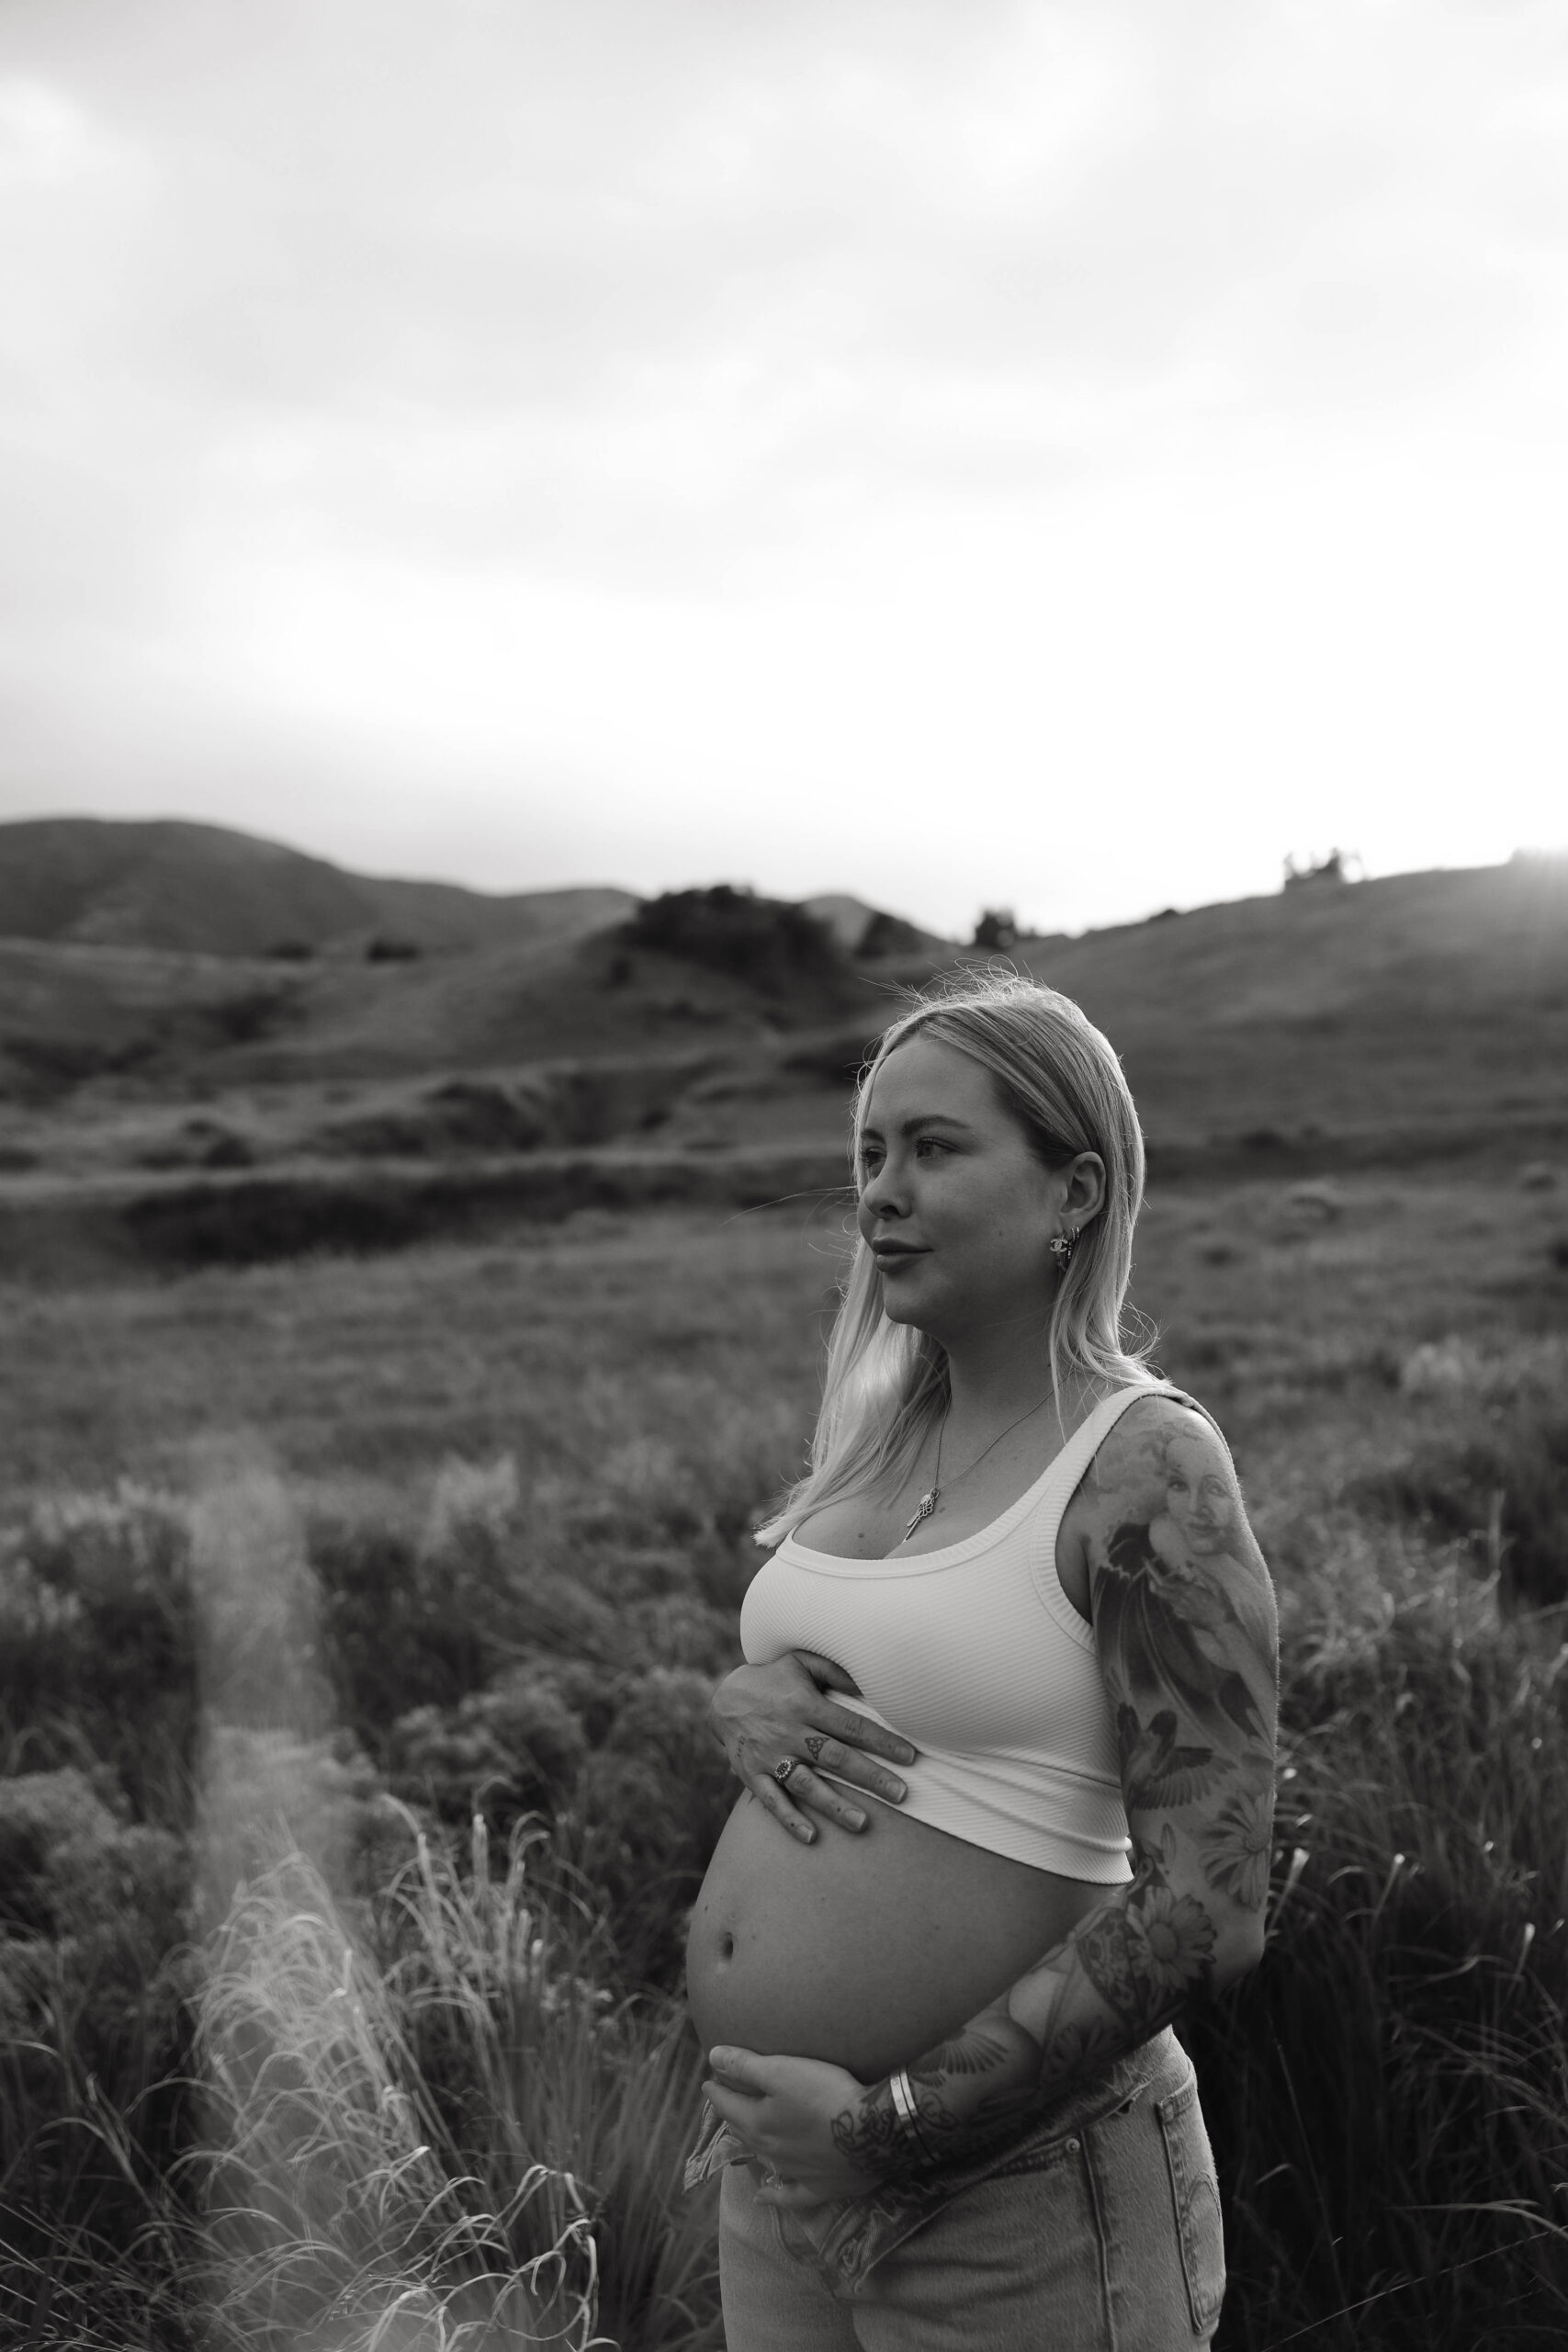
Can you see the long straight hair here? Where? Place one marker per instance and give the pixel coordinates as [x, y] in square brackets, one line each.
[886, 1383]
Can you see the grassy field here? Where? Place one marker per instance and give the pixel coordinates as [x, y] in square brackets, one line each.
[355, 1620]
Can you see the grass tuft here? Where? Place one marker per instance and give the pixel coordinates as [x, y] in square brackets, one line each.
[436, 2127]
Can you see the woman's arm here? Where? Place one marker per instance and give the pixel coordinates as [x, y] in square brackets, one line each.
[1185, 1632]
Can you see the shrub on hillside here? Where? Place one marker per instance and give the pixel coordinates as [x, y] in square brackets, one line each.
[620, 1764]
[483, 1116]
[99, 1643]
[251, 1015]
[406, 1625]
[1503, 1493]
[461, 1114]
[996, 928]
[771, 944]
[508, 1752]
[94, 2031]
[75, 1874]
[837, 1061]
[650, 1804]
[886, 934]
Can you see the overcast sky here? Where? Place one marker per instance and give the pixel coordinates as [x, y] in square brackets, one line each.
[1063, 454]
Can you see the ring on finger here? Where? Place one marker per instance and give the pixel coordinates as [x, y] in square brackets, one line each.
[784, 1766]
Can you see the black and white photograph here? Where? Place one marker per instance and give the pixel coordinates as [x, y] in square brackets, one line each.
[784, 1175]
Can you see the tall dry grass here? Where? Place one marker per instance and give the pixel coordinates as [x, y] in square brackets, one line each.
[1389, 2094]
[435, 2128]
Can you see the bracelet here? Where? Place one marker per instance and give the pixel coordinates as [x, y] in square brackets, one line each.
[902, 2095]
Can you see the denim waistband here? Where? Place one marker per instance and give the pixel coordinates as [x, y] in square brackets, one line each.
[846, 2235]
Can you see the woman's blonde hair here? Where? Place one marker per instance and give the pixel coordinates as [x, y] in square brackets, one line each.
[887, 1383]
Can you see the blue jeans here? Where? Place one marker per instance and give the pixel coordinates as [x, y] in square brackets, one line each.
[1098, 2231]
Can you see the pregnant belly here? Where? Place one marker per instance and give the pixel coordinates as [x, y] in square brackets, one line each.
[862, 1949]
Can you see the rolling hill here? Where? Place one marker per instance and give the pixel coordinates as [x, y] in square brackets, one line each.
[1436, 1001]
[204, 889]
[1395, 1022]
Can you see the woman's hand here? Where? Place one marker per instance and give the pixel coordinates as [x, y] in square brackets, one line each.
[763, 1714]
[784, 2109]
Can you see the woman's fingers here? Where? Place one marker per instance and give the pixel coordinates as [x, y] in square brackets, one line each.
[772, 1798]
[767, 1716]
[849, 1725]
[854, 1730]
[742, 2070]
[806, 1788]
[849, 1764]
[737, 2109]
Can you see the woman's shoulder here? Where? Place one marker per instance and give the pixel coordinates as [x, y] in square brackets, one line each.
[1157, 1410]
[1123, 1420]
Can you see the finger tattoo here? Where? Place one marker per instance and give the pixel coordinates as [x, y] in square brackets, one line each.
[815, 1745]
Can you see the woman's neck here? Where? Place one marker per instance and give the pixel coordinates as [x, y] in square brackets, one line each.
[993, 1379]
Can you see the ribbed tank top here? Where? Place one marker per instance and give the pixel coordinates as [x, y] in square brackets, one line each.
[976, 1655]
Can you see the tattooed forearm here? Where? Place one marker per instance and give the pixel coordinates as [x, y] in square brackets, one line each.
[1127, 1968]
[964, 2092]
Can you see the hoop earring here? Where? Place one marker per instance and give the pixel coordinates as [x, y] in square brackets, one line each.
[1062, 1248]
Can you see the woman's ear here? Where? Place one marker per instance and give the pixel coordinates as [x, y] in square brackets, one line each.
[1085, 1194]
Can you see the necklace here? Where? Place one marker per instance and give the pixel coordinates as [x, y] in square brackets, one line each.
[933, 1495]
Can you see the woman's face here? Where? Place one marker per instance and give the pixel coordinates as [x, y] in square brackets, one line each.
[955, 1207]
[1200, 1502]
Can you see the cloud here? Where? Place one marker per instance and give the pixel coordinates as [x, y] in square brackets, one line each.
[658, 396]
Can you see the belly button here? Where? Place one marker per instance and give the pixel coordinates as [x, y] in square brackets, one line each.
[727, 1947]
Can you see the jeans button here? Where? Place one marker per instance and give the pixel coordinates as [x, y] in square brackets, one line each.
[1073, 2146]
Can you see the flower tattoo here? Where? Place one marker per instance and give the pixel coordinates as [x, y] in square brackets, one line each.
[1170, 1941]
[1236, 1846]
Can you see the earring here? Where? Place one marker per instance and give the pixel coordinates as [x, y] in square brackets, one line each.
[1062, 1249]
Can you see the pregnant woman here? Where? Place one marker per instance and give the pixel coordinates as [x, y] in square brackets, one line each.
[935, 1958]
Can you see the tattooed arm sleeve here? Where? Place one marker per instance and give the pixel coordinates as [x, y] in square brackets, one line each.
[1184, 1628]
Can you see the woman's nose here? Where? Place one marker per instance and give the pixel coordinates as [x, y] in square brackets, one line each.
[881, 1194]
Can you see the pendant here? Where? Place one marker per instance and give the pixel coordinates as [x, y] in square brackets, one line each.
[923, 1509]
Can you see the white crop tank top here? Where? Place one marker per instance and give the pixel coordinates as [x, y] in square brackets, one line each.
[975, 1654]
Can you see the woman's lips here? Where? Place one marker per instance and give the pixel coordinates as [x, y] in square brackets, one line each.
[888, 1260]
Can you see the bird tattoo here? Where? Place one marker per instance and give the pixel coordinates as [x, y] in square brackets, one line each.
[1155, 1772]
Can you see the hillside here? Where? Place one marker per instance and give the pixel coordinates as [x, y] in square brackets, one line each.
[704, 1048]
[204, 889]
[72, 1013]
[1436, 1000]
